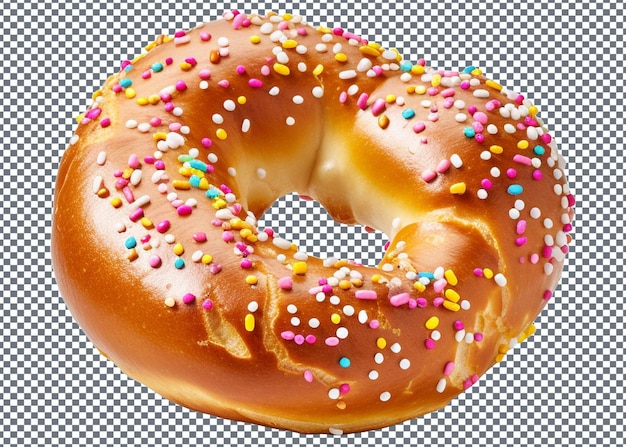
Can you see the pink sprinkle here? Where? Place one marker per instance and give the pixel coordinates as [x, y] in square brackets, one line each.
[362, 101]
[478, 127]
[478, 272]
[238, 21]
[443, 166]
[379, 106]
[205, 74]
[169, 61]
[419, 127]
[547, 295]
[399, 299]
[207, 304]
[199, 236]
[189, 298]
[149, 160]
[472, 110]
[365, 295]
[493, 105]
[136, 215]
[421, 302]
[215, 269]
[191, 61]
[448, 369]
[156, 121]
[133, 161]
[344, 388]
[537, 175]
[327, 288]
[374, 324]
[519, 99]
[223, 83]
[465, 85]
[204, 36]
[511, 173]
[287, 335]
[521, 241]
[94, 113]
[546, 138]
[105, 122]
[206, 142]
[165, 96]
[299, 339]
[534, 258]
[432, 91]
[458, 325]
[338, 31]
[486, 183]
[308, 376]
[378, 70]
[481, 117]
[184, 210]
[546, 252]
[311, 339]
[479, 137]
[285, 283]
[429, 343]
[159, 164]
[522, 159]
[163, 226]
[128, 194]
[145, 239]
[175, 127]
[448, 103]
[180, 33]
[439, 285]
[154, 261]
[343, 97]
[447, 93]
[265, 70]
[478, 336]
[169, 107]
[246, 264]
[521, 227]
[181, 86]
[116, 88]
[437, 302]
[255, 83]
[332, 341]
[241, 69]
[571, 200]
[302, 32]
[178, 202]
[412, 303]
[228, 236]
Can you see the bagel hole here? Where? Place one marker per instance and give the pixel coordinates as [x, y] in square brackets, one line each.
[306, 223]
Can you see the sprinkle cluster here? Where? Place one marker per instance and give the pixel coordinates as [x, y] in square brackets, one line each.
[184, 175]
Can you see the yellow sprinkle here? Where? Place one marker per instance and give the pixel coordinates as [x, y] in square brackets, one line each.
[159, 136]
[376, 278]
[126, 173]
[488, 273]
[282, 69]
[245, 233]
[345, 284]
[340, 263]
[495, 149]
[207, 259]
[255, 39]
[476, 72]
[299, 267]
[204, 184]
[170, 302]
[251, 280]
[417, 70]
[179, 249]
[356, 282]
[499, 358]
[318, 70]
[252, 238]
[342, 405]
[432, 323]
[242, 100]
[97, 94]
[381, 343]
[458, 188]
[287, 17]
[186, 171]
[341, 57]
[154, 99]
[383, 121]
[368, 50]
[493, 84]
[324, 29]
[503, 348]
[420, 89]
[522, 144]
[116, 202]
[530, 330]
[147, 223]
[218, 204]
[533, 110]
[452, 295]
[221, 134]
[290, 43]
[335, 318]
[375, 45]
[143, 101]
[419, 286]
[185, 66]
[390, 99]
[130, 93]
[410, 89]
[454, 307]
[249, 322]
[132, 254]
[436, 80]
[451, 277]
[181, 184]
[80, 117]
[103, 193]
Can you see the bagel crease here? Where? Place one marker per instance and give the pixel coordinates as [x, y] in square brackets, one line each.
[158, 255]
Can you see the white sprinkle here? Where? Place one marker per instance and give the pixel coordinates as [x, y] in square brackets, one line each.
[492, 129]
[204, 85]
[435, 335]
[120, 227]
[482, 194]
[548, 268]
[337, 48]
[363, 316]
[558, 189]
[335, 431]
[465, 305]
[185, 130]
[223, 42]
[495, 172]
[131, 124]
[290, 121]
[253, 306]
[321, 48]
[373, 375]
[500, 279]
[441, 385]
[274, 91]
[469, 338]
[456, 161]
[509, 128]
[334, 393]
[347, 74]
[295, 321]
[281, 258]
[281, 243]
[531, 133]
[229, 105]
[395, 348]
[232, 171]
[292, 309]
[514, 213]
[535, 213]
[379, 358]
[481, 93]
[302, 49]
[135, 177]
[342, 333]
[334, 300]
[318, 91]
[169, 238]
[364, 65]
[320, 297]
[261, 173]
[406, 77]
[387, 267]
[74, 139]
[459, 104]
[548, 240]
[197, 256]
[174, 140]
[217, 118]
[144, 127]
[298, 99]
[485, 155]
[194, 152]
[384, 397]
[460, 117]
[97, 183]
[282, 58]
[278, 36]
[405, 364]
[267, 28]
[314, 323]
[520, 204]
[102, 158]
[178, 111]
[245, 126]
[348, 310]
[460, 335]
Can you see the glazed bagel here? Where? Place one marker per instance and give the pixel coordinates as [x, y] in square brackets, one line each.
[158, 254]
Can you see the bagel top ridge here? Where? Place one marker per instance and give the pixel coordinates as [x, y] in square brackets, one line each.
[158, 255]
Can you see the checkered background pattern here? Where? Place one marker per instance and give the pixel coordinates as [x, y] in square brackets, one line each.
[564, 387]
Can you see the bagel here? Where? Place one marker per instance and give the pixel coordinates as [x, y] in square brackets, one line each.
[158, 254]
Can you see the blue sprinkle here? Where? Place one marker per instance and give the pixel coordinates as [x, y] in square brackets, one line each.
[469, 69]
[469, 132]
[197, 164]
[515, 190]
[426, 275]
[539, 150]
[126, 82]
[128, 68]
[213, 193]
[344, 362]
[406, 66]
[194, 181]
[157, 66]
[179, 263]
[131, 242]
[408, 114]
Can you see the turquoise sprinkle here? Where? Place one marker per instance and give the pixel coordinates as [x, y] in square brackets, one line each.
[157, 67]
[179, 263]
[126, 82]
[469, 69]
[344, 362]
[128, 68]
[539, 150]
[406, 66]
[426, 275]
[131, 242]
[194, 181]
[469, 132]
[515, 190]
[197, 164]
[213, 193]
[408, 114]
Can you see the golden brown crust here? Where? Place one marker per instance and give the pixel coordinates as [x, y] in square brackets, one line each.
[164, 268]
